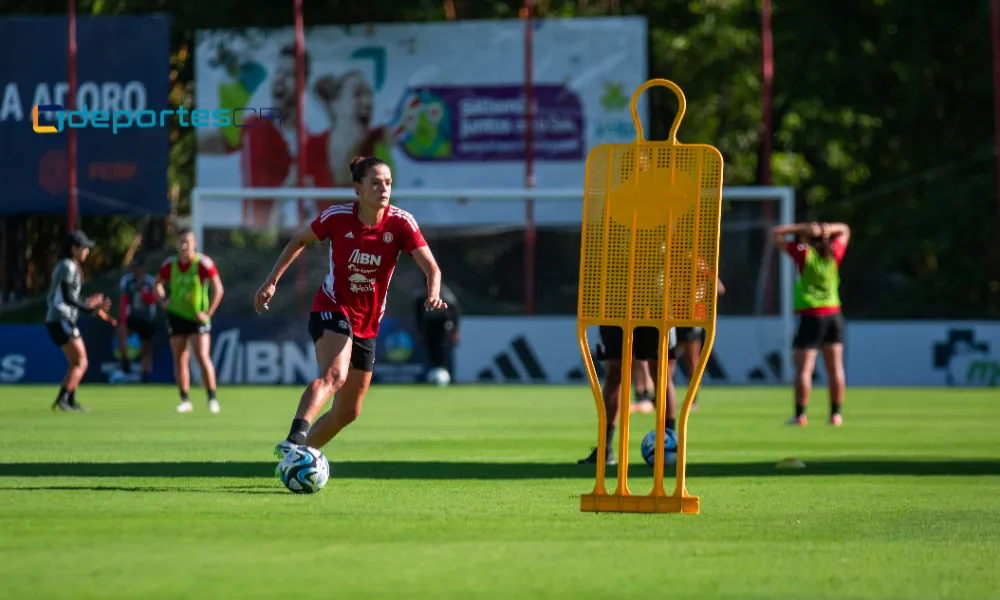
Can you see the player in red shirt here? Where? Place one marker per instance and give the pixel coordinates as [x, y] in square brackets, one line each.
[189, 308]
[817, 251]
[366, 238]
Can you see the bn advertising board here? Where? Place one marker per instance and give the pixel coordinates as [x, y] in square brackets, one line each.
[529, 350]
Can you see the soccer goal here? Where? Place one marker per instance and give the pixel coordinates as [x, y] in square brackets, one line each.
[487, 240]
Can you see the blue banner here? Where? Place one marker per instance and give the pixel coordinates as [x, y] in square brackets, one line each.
[123, 64]
[257, 351]
[27, 355]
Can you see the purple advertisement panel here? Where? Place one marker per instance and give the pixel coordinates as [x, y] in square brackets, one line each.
[486, 124]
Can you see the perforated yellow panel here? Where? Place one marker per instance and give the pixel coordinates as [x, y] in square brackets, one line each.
[650, 235]
[649, 257]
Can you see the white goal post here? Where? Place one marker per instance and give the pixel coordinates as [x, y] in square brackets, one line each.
[213, 208]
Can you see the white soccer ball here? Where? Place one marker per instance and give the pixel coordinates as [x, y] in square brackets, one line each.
[439, 376]
[304, 470]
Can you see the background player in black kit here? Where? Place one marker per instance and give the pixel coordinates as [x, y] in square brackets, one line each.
[645, 346]
[437, 330]
[689, 341]
[138, 315]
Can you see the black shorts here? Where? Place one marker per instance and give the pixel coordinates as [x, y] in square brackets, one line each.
[363, 352]
[180, 326]
[62, 331]
[645, 344]
[690, 334]
[141, 327]
[818, 331]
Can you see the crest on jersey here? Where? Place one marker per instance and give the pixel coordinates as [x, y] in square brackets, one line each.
[387, 238]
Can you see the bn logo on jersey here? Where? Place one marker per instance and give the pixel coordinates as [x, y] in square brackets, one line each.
[363, 258]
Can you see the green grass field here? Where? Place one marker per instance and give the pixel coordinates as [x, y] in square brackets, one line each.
[473, 492]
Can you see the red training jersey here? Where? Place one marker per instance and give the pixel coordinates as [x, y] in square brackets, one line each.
[362, 259]
[206, 268]
[798, 253]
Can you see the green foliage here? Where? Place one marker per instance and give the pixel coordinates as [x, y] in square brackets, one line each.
[882, 113]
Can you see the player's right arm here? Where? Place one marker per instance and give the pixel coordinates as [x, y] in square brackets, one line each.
[780, 233]
[162, 276]
[838, 230]
[307, 235]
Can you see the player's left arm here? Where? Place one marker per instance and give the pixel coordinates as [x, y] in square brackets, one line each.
[427, 263]
[217, 292]
[413, 241]
[838, 230]
[211, 272]
[839, 235]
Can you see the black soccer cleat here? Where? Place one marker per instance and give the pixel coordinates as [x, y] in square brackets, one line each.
[591, 459]
[77, 407]
[62, 405]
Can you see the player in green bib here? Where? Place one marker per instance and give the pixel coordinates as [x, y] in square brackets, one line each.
[817, 250]
[195, 293]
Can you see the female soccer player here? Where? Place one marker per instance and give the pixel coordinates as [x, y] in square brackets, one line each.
[689, 340]
[366, 238]
[189, 309]
[646, 348]
[138, 315]
[817, 302]
[65, 307]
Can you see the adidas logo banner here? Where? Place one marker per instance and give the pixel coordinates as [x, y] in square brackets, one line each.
[545, 350]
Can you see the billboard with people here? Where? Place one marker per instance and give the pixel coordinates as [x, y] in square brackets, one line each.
[442, 103]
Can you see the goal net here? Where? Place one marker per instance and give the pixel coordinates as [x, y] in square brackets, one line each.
[485, 247]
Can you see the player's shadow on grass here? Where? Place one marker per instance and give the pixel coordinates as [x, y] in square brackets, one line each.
[242, 489]
[433, 470]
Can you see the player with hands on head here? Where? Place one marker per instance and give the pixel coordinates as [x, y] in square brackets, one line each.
[818, 249]
[64, 308]
[366, 238]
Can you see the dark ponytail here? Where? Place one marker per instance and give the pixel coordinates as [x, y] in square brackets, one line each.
[361, 164]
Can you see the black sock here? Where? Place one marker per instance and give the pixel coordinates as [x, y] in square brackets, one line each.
[799, 410]
[184, 397]
[126, 365]
[145, 376]
[297, 434]
[609, 438]
[646, 396]
[671, 423]
[834, 409]
[63, 395]
[211, 395]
